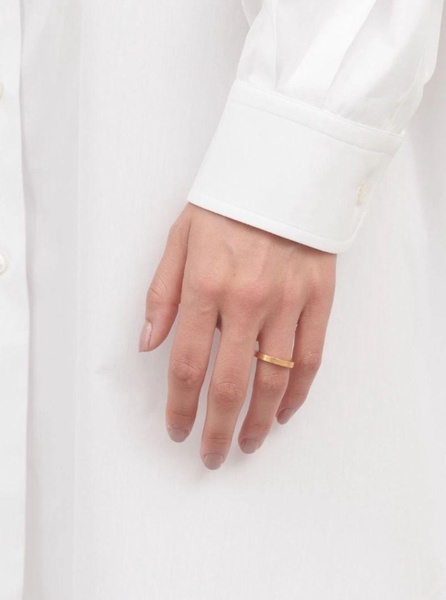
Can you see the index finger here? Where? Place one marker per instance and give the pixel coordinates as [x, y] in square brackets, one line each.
[188, 364]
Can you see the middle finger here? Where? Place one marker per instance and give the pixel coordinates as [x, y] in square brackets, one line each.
[227, 390]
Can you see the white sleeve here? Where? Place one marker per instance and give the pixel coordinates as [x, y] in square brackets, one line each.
[323, 92]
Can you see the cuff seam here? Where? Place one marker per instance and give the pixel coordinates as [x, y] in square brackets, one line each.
[325, 113]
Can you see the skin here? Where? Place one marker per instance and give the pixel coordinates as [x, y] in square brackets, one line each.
[263, 292]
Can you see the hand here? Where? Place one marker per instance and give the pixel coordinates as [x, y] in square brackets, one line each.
[252, 285]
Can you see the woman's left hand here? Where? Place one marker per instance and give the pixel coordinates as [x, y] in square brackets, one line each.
[253, 286]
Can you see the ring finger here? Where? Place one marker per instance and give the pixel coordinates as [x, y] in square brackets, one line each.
[270, 382]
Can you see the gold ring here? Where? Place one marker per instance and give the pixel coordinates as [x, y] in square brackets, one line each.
[274, 360]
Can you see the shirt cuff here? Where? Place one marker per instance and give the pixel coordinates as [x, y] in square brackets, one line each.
[292, 169]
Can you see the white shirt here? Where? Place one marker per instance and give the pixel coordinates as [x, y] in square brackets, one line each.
[299, 121]
[321, 108]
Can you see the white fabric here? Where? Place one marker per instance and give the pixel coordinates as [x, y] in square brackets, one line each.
[318, 110]
[107, 112]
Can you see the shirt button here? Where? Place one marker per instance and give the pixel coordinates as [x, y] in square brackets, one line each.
[360, 197]
[3, 264]
[1, 89]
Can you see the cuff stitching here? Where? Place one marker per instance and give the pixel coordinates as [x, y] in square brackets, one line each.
[270, 112]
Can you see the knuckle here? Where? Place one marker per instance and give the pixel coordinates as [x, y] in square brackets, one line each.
[227, 395]
[249, 296]
[318, 286]
[181, 413]
[290, 298]
[218, 440]
[186, 373]
[207, 286]
[261, 428]
[273, 383]
[157, 292]
[310, 362]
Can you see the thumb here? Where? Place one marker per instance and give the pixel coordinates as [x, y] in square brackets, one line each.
[164, 293]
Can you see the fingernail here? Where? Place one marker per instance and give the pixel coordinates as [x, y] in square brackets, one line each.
[144, 338]
[285, 415]
[177, 434]
[249, 445]
[213, 461]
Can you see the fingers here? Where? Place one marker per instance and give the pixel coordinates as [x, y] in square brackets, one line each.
[188, 364]
[270, 383]
[247, 284]
[227, 390]
[307, 355]
[163, 296]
